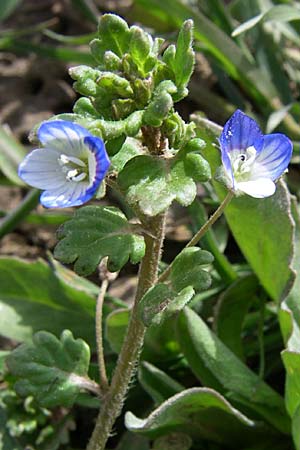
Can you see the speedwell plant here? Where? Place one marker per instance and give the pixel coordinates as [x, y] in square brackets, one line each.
[125, 133]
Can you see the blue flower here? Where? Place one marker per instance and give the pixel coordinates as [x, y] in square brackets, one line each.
[253, 161]
[69, 168]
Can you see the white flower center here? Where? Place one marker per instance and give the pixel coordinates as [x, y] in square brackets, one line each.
[242, 163]
[74, 168]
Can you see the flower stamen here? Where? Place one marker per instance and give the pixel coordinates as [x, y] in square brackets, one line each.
[69, 166]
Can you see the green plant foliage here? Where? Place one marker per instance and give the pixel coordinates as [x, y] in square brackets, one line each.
[113, 36]
[7, 441]
[194, 412]
[115, 328]
[289, 317]
[187, 269]
[133, 442]
[51, 370]
[232, 308]
[49, 292]
[94, 233]
[181, 59]
[152, 183]
[159, 302]
[187, 277]
[130, 148]
[159, 385]
[11, 154]
[281, 13]
[173, 441]
[132, 80]
[216, 366]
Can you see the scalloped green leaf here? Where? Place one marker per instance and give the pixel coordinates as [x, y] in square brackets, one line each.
[187, 277]
[194, 412]
[52, 370]
[160, 302]
[131, 148]
[152, 183]
[187, 271]
[94, 233]
[215, 365]
[113, 36]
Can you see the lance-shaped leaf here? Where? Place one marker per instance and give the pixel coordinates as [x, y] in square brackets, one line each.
[152, 183]
[289, 317]
[231, 310]
[216, 366]
[181, 59]
[194, 412]
[53, 371]
[94, 233]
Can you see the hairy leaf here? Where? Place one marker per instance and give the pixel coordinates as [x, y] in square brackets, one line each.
[153, 183]
[94, 233]
[199, 412]
[51, 370]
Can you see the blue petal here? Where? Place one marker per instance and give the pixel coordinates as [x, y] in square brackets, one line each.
[63, 136]
[241, 132]
[274, 157]
[60, 129]
[96, 145]
[71, 194]
[41, 170]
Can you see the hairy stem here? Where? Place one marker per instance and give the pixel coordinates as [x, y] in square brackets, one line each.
[133, 342]
[99, 336]
[196, 238]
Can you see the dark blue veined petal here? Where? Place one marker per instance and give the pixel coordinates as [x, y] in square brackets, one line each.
[71, 194]
[63, 136]
[241, 132]
[274, 157]
[102, 163]
[77, 193]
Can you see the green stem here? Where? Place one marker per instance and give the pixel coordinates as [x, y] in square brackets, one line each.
[133, 342]
[213, 218]
[209, 242]
[99, 336]
[13, 218]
